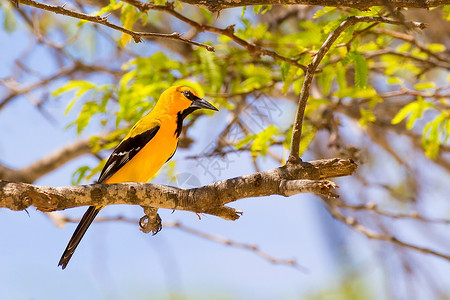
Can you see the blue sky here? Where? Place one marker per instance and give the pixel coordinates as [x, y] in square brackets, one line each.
[117, 261]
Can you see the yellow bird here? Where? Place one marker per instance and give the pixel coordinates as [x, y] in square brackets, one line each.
[151, 142]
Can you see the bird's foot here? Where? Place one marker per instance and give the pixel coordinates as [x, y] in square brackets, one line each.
[151, 222]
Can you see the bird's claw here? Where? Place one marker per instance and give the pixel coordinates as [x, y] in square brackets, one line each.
[151, 222]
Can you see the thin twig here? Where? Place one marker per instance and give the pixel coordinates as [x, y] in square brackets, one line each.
[60, 221]
[228, 242]
[374, 208]
[352, 222]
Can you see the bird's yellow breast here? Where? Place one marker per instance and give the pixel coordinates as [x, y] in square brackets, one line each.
[144, 165]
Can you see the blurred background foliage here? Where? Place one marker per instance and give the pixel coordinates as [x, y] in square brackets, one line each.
[380, 97]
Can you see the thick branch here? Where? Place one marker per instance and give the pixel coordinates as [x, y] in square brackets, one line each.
[287, 180]
[217, 5]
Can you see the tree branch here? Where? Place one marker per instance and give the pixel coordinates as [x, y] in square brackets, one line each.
[287, 180]
[48, 163]
[312, 67]
[137, 36]
[60, 221]
[217, 5]
[352, 222]
[252, 48]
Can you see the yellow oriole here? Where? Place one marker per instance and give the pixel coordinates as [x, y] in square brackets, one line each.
[151, 142]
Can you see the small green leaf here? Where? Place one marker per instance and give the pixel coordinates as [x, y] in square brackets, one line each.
[367, 116]
[340, 76]
[284, 69]
[415, 111]
[308, 134]
[361, 69]
[323, 11]
[79, 174]
[433, 132]
[245, 141]
[263, 140]
[324, 80]
[394, 80]
[403, 113]
[9, 21]
[207, 14]
[424, 85]
[435, 47]
[405, 47]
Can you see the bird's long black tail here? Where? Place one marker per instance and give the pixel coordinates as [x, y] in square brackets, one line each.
[86, 220]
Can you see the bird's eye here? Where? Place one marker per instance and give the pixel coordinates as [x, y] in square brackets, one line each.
[187, 94]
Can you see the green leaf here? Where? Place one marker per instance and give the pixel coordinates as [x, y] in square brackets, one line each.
[257, 9]
[245, 141]
[207, 14]
[340, 76]
[79, 174]
[353, 92]
[308, 134]
[289, 79]
[415, 111]
[433, 132]
[367, 116]
[128, 17]
[435, 47]
[361, 69]
[211, 69]
[323, 11]
[404, 112]
[446, 11]
[9, 21]
[394, 80]
[324, 80]
[263, 140]
[81, 85]
[424, 85]
[405, 47]
[284, 69]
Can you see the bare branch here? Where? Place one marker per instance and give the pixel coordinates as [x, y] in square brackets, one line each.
[370, 206]
[228, 242]
[78, 66]
[210, 199]
[379, 236]
[253, 49]
[60, 221]
[311, 69]
[217, 5]
[137, 36]
[48, 163]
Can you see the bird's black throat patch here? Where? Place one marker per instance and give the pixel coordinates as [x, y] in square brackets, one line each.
[180, 117]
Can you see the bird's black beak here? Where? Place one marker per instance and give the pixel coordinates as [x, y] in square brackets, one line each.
[200, 103]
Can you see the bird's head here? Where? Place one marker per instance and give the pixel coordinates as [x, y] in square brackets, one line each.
[182, 100]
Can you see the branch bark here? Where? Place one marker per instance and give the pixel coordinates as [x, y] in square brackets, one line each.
[217, 5]
[286, 180]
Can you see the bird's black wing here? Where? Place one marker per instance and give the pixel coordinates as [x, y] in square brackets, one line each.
[125, 151]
